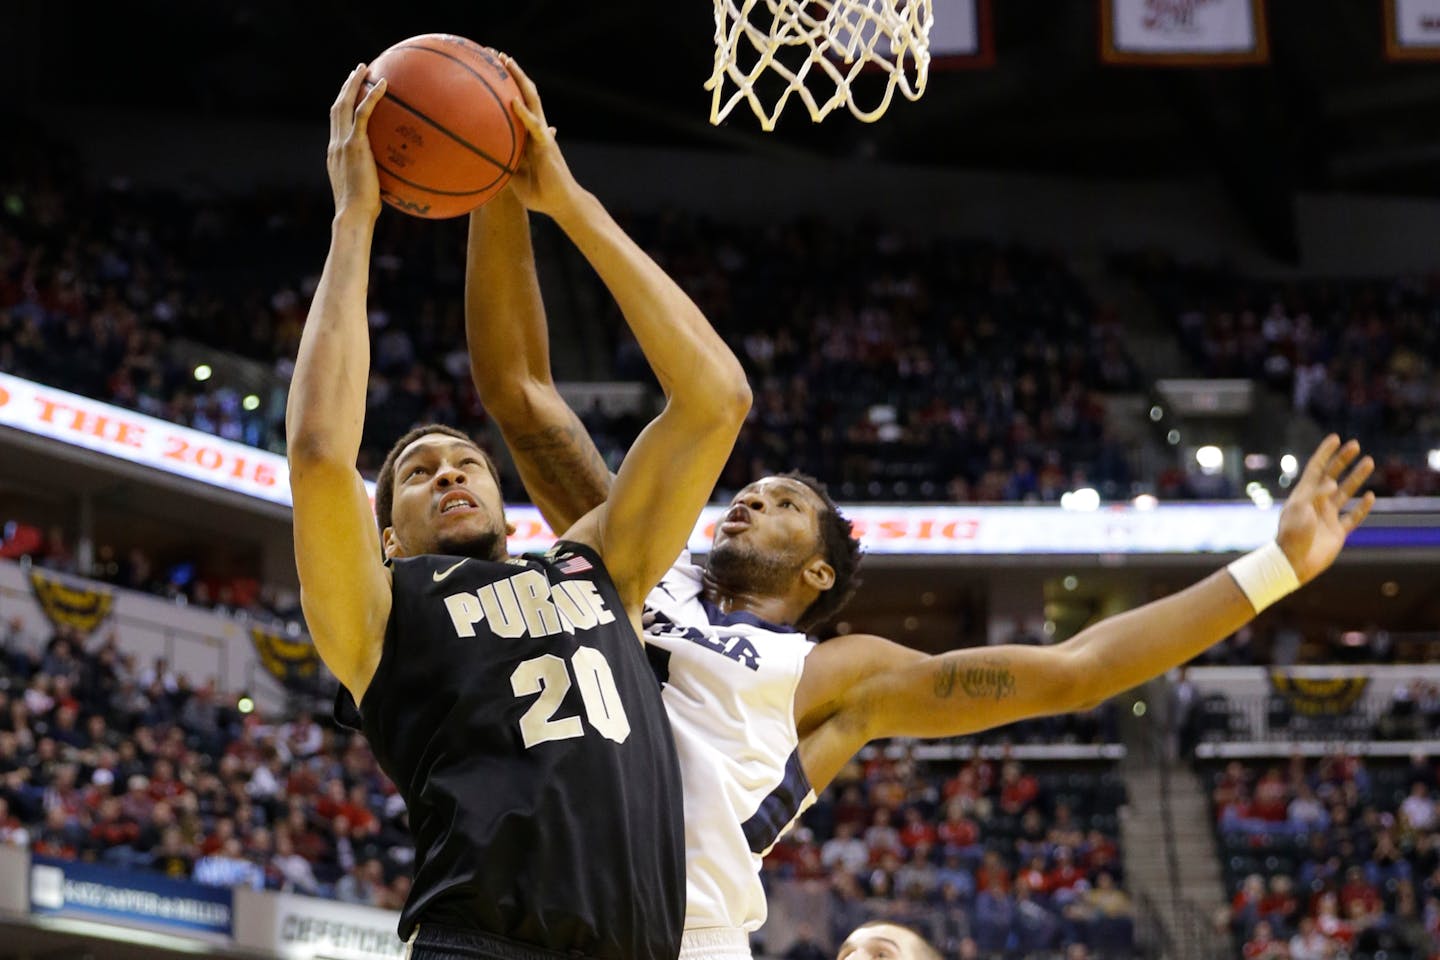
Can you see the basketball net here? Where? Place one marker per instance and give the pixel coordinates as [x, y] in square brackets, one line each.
[815, 49]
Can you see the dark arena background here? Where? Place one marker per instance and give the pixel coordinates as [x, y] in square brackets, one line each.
[1058, 335]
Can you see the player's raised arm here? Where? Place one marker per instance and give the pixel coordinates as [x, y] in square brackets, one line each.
[670, 471]
[866, 687]
[510, 362]
[344, 587]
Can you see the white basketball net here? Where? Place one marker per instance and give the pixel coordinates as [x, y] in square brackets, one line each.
[815, 49]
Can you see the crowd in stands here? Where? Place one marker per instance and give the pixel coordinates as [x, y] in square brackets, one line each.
[904, 368]
[893, 367]
[1331, 858]
[104, 760]
[133, 766]
[1360, 357]
[984, 859]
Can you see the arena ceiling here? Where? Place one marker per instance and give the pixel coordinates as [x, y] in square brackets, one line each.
[1328, 114]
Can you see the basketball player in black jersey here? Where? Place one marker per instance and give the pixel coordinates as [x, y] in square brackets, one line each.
[509, 699]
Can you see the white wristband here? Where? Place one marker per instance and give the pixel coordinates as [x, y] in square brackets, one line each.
[1264, 575]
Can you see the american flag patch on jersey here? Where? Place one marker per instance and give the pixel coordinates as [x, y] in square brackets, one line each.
[575, 564]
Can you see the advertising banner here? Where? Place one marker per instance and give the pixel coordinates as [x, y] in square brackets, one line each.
[304, 928]
[133, 898]
[1412, 29]
[1199, 33]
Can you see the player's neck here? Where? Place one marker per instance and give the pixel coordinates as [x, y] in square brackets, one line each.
[768, 607]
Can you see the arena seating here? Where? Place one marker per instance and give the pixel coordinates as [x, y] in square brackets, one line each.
[937, 369]
[985, 858]
[129, 764]
[1340, 854]
[1360, 357]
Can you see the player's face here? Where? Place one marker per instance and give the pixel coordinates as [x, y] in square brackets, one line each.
[771, 530]
[445, 501]
[881, 941]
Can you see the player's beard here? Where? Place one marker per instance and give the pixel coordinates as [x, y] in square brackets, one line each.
[743, 569]
[481, 546]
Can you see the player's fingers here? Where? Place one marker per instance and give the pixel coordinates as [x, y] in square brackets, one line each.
[1359, 512]
[1356, 479]
[367, 106]
[527, 89]
[1343, 458]
[533, 124]
[340, 109]
[1315, 468]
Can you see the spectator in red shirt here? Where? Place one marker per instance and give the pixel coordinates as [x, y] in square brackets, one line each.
[112, 829]
[1262, 945]
[957, 832]
[917, 830]
[1018, 791]
[1065, 879]
[58, 838]
[1279, 905]
[1327, 919]
[1034, 875]
[1271, 798]
[1245, 905]
[224, 830]
[1357, 890]
[1101, 853]
[963, 786]
[992, 875]
[163, 785]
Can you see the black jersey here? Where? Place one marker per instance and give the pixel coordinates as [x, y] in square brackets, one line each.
[516, 711]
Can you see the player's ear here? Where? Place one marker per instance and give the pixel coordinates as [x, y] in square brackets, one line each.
[510, 527]
[818, 575]
[390, 544]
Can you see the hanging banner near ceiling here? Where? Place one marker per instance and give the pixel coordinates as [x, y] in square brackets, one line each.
[76, 606]
[963, 35]
[1412, 29]
[1187, 33]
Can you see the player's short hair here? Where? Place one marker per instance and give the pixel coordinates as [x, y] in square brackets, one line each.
[385, 480]
[927, 951]
[840, 548]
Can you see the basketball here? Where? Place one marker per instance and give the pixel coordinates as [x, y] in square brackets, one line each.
[444, 135]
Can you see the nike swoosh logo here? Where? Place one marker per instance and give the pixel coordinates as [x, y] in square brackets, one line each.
[442, 574]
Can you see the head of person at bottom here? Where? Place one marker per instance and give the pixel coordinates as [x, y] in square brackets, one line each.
[438, 492]
[879, 940]
[784, 539]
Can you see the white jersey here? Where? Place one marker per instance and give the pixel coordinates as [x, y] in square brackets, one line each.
[730, 696]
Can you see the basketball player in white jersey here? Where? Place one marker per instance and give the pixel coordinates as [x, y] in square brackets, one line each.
[764, 718]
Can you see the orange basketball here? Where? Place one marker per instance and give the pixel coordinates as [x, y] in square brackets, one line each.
[444, 135]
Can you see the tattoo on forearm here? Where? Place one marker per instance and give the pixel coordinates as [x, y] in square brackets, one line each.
[565, 455]
[991, 680]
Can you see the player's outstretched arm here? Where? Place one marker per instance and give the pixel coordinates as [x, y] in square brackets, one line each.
[669, 473]
[865, 687]
[510, 362]
[344, 588]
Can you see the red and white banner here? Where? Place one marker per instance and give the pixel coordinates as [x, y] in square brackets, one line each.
[1183, 32]
[1008, 531]
[995, 531]
[137, 438]
[963, 35]
[1412, 29]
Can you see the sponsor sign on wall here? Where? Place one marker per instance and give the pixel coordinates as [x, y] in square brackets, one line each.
[305, 928]
[129, 897]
